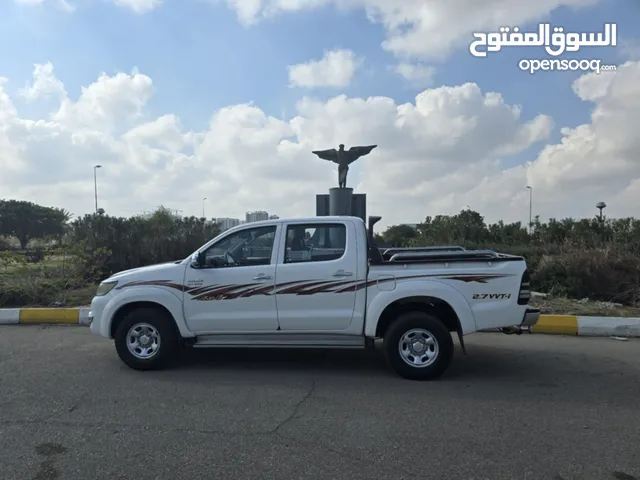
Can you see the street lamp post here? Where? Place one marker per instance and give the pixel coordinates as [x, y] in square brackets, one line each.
[95, 184]
[203, 200]
[530, 208]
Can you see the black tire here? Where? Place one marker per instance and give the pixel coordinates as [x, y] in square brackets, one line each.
[435, 328]
[164, 326]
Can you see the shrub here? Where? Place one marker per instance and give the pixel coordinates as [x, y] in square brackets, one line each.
[125, 243]
[604, 275]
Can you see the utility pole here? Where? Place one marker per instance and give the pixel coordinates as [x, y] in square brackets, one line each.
[95, 185]
[530, 208]
[203, 200]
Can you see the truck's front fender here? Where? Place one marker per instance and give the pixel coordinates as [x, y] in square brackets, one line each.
[419, 288]
[147, 294]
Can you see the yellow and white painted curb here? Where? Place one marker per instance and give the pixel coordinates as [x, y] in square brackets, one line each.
[66, 316]
[588, 326]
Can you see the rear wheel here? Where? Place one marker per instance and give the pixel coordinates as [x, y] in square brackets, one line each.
[146, 339]
[418, 346]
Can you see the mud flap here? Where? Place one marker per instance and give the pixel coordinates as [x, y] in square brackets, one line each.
[460, 337]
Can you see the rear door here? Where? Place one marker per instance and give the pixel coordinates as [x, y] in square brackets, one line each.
[316, 277]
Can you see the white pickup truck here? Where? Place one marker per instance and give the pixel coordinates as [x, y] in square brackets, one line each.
[313, 283]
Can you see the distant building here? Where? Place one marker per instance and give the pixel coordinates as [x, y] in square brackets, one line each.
[147, 214]
[257, 216]
[273, 217]
[227, 223]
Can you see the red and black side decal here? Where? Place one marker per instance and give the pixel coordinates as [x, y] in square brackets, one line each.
[302, 287]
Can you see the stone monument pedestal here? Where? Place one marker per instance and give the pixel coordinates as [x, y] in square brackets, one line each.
[340, 201]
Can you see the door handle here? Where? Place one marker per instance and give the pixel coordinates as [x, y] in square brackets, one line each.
[262, 276]
[342, 273]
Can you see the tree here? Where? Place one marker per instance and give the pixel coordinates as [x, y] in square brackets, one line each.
[399, 235]
[26, 220]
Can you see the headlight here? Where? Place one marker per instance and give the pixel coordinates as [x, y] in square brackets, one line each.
[105, 287]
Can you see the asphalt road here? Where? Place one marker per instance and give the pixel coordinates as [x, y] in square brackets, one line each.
[527, 407]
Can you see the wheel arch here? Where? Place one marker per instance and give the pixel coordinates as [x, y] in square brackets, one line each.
[434, 298]
[144, 297]
[121, 313]
[426, 304]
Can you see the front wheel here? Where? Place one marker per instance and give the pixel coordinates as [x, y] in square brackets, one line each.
[146, 339]
[418, 346]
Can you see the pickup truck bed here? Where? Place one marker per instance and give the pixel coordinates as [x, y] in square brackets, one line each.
[313, 283]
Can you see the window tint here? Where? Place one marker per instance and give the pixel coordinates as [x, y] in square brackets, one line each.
[315, 243]
[252, 246]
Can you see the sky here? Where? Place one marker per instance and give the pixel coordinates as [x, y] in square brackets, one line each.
[181, 100]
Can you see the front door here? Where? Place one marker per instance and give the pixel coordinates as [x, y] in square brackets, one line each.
[233, 291]
[316, 278]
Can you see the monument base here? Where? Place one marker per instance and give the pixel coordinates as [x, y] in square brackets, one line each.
[342, 201]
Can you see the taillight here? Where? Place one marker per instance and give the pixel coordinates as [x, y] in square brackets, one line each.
[525, 289]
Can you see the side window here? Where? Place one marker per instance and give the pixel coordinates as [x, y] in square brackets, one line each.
[252, 246]
[315, 242]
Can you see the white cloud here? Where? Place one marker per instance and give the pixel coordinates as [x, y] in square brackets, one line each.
[419, 28]
[44, 84]
[603, 157]
[415, 73]
[445, 150]
[108, 104]
[335, 69]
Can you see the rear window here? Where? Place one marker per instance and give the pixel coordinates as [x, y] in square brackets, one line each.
[315, 242]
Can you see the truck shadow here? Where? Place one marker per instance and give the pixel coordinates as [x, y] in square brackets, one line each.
[482, 362]
[486, 370]
[287, 359]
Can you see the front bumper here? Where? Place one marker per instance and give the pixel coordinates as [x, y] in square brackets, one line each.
[94, 324]
[531, 317]
[96, 314]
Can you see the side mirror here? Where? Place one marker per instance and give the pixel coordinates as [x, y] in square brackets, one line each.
[198, 260]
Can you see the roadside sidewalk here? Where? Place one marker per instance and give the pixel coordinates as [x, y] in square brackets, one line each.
[549, 324]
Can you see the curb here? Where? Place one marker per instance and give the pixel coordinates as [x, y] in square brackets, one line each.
[588, 326]
[39, 316]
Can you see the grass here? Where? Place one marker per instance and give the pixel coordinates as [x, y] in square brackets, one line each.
[52, 282]
[80, 297]
[567, 306]
[50, 262]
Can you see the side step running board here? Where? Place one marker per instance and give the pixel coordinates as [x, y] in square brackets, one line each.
[280, 340]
